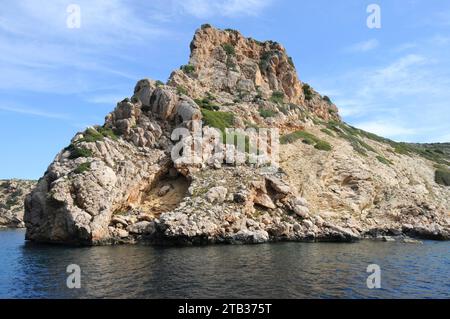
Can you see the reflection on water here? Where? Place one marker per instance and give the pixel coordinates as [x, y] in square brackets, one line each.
[285, 270]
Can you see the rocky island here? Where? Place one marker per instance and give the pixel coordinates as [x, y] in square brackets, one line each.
[120, 183]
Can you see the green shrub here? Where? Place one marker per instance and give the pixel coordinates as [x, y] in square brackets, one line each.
[307, 91]
[277, 97]
[327, 99]
[442, 176]
[231, 30]
[98, 133]
[308, 141]
[205, 26]
[76, 152]
[267, 113]
[82, 168]
[384, 160]
[10, 202]
[206, 104]
[306, 138]
[219, 120]
[91, 135]
[188, 69]
[159, 83]
[323, 146]
[351, 134]
[229, 49]
[107, 132]
[256, 41]
[327, 131]
[181, 90]
[266, 57]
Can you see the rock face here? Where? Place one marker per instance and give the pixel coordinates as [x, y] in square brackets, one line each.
[134, 180]
[12, 195]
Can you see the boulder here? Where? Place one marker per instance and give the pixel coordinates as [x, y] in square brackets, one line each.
[142, 228]
[279, 185]
[217, 195]
[119, 220]
[264, 200]
[301, 211]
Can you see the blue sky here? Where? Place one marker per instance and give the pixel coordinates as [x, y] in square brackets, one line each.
[55, 81]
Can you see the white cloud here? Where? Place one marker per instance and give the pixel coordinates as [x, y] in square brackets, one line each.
[102, 22]
[364, 46]
[40, 54]
[226, 8]
[405, 98]
[386, 129]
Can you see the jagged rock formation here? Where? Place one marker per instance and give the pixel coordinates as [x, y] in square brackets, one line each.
[12, 195]
[130, 180]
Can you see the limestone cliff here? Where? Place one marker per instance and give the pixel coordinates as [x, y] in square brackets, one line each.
[130, 180]
[12, 195]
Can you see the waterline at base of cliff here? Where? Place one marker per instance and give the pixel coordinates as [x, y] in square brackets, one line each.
[283, 270]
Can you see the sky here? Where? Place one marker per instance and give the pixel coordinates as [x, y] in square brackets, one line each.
[57, 79]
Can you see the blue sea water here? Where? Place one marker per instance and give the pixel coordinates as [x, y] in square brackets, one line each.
[284, 270]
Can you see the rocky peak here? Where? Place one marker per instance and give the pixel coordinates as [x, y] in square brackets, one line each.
[225, 62]
[245, 64]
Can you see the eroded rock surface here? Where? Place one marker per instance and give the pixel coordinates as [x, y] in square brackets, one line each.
[130, 180]
[12, 195]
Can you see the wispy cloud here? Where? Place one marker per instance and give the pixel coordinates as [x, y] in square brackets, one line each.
[405, 98]
[226, 8]
[40, 54]
[108, 99]
[386, 129]
[34, 112]
[364, 46]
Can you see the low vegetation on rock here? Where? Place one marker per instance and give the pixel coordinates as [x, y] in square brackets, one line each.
[77, 152]
[83, 168]
[306, 138]
[188, 69]
[442, 175]
[277, 97]
[307, 91]
[219, 120]
[267, 113]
